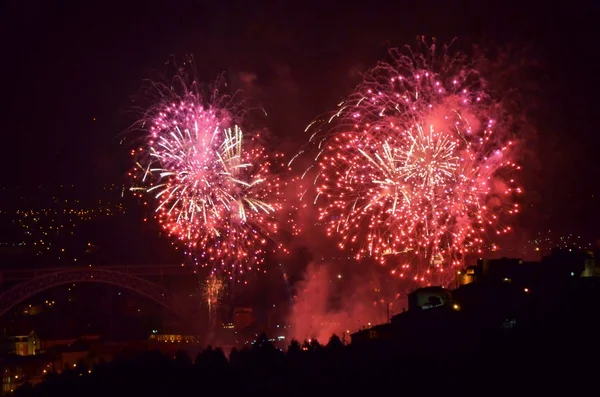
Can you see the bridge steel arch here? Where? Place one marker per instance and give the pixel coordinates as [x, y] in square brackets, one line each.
[20, 292]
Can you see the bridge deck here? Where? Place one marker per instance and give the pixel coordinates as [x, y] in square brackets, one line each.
[134, 270]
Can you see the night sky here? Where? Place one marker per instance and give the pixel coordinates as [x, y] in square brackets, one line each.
[74, 69]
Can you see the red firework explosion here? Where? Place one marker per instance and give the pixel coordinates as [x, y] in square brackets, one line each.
[415, 168]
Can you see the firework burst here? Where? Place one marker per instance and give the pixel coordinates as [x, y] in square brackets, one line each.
[212, 185]
[414, 169]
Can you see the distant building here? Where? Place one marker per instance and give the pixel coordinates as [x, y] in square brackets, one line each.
[69, 356]
[242, 318]
[496, 296]
[468, 276]
[433, 328]
[557, 266]
[378, 332]
[419, 317]
[16, 370]
[507, 269]
[172, 343]
[590, 269]
[428, 298]
[172, 338]
[51, 343]
[33, 310]
[12, 378]
[25, 345]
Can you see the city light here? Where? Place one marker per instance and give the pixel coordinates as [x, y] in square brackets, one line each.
[51, 230]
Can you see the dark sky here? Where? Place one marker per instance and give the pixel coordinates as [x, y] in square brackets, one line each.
[71, 69]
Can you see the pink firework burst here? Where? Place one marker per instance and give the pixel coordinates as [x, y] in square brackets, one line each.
[212, 186]
[414, 169]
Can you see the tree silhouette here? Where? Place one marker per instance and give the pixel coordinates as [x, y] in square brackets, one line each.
[24, 391]
[234, 357]
[335, 343]
[408, 364]
[262, 342]
[315, 345]
[294, 347]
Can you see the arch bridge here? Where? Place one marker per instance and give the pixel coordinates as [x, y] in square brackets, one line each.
[34, 281]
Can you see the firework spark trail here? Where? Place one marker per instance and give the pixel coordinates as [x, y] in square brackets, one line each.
[212, 185]
[213, 292]
[414, 162]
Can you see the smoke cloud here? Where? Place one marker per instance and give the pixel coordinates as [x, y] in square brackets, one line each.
[327, 303]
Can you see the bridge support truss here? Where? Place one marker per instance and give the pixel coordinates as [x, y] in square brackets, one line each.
[20, 292]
